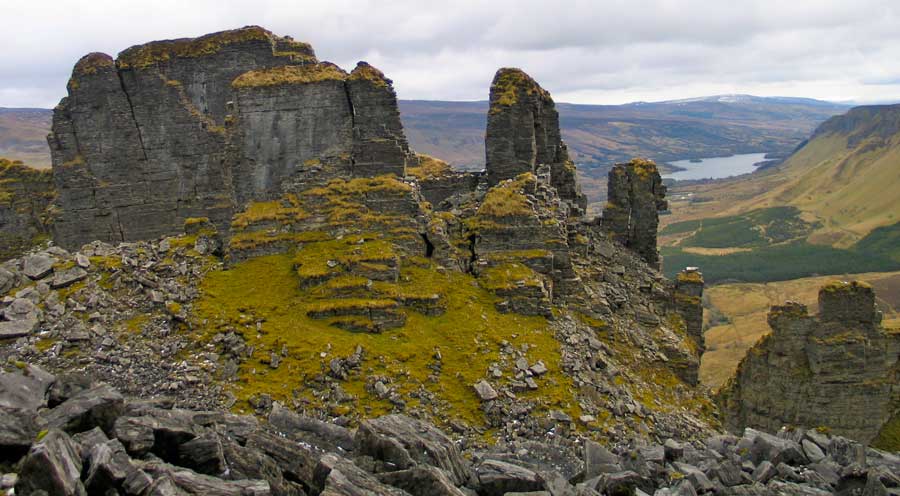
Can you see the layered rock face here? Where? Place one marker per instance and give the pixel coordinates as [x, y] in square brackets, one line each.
[523, 134]
[689, 302]
[25, 194]
[635, 195]
[148, 140]
[836, 370]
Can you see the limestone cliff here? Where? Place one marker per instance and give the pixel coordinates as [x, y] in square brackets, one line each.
[25, 194]
[196, 127]
[836, 370]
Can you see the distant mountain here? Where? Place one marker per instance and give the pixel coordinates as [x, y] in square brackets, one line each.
[604, 134]
[23, 135]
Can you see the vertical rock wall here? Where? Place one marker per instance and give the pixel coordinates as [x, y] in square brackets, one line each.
[636, 194]
[379, 145]
[163, 134]
[837, 370]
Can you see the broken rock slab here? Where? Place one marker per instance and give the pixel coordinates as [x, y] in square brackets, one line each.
[38, 266]
[67, 277]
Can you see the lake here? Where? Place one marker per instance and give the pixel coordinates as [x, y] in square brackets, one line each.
[716, 167]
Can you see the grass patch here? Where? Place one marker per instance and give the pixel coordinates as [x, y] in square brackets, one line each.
[469, 335]
[163, 51]
[508, 199]
[429, 168]
[290, 74]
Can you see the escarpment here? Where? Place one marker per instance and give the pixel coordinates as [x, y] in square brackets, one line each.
[196, 127]
[836, 370]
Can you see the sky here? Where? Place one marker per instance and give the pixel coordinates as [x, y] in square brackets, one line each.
[599, 52]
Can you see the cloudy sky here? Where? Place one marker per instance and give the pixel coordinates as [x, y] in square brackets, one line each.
[609, 51]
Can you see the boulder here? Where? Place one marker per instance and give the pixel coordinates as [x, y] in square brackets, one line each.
[764, 472]
[421, 481]
[52, 465]
[66, 386]
[25, 387]
[99, 406]
[304, 428]
[18, 429]
[108, 467]
[37, 266]
[598, 460]
[812, 451]
[485, 391]
[496, 478]
[336, 476]
[189, 482]
[405, 442]
[11, 329]
[203, 454]
[159, 431]
[777, 450]
[67, 277]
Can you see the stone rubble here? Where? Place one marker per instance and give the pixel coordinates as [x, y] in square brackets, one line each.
[145, 447]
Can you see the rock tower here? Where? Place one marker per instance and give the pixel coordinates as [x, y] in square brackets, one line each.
[523, 135]
[837, 369]
[635, 196]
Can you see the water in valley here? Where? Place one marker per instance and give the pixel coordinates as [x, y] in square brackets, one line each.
[716, 167]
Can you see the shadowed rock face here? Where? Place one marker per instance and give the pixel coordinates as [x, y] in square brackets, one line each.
[836, 370]
[25, 194]
[197, 127]
[636, 195]
[523, 134]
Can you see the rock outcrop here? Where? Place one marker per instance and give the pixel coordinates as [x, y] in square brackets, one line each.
[197, 127]
[523, 134]
[837, 370]
[635, 196]
[325, 266]
[25, 194]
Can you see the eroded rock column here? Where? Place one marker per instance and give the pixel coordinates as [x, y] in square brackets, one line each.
[636, 194]
[523, 134]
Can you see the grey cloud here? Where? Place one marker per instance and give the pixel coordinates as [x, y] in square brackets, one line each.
[588, 51]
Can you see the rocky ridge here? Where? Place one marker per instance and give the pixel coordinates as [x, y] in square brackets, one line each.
[335, 271]
[836, 370]
[337, 276]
